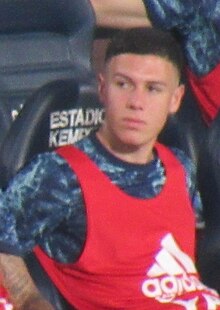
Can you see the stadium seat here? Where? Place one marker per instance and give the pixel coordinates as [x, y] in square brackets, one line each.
[58, 113]
[40, 41]
[209, 176]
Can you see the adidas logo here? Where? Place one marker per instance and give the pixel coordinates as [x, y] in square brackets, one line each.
[171, 260]
[172, 274]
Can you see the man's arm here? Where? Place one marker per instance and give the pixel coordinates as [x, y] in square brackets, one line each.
[22, 290]
[198, 27]
[120, 13]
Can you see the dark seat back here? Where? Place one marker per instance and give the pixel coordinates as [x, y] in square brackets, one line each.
[40, 41]
[59, 113]
[209, 177]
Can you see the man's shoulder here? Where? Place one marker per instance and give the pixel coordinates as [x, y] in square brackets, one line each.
[182, 156]
[185, 160]
[42, 164]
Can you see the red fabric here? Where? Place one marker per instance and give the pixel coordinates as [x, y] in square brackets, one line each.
[4, 299]
[124, 241]
[207, 92]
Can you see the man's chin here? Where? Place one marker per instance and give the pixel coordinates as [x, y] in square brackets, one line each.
[131, 143]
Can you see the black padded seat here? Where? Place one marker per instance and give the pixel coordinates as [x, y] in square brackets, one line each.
[209, 176]
[59, 113]
[41, 41]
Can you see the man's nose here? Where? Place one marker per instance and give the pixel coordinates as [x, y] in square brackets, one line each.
[136, 99]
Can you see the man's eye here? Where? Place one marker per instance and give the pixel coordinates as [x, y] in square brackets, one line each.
[153, 88]
[122, 84]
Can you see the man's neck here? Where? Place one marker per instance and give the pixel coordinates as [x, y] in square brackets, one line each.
[130, 154]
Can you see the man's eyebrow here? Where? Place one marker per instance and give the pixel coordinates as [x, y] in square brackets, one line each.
[124, 76]
[159, 83]
[118, 74]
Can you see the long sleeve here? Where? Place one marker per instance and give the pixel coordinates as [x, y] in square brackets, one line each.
[34, 205]
[197, 24]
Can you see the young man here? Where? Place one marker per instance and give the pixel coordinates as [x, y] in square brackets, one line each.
[106, 218]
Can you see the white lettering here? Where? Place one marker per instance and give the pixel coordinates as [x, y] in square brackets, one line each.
[53, 138]
[169, 285]
[67, 136]
[79, 118]
[72, 114]
[54, 120]
[76, 118]
[151, 288]
[63, 137]
[189, 284]
[59, 120]
[94, 117]
[64, 119]
[173, 275]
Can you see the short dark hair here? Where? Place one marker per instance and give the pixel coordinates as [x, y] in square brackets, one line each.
[145, 41]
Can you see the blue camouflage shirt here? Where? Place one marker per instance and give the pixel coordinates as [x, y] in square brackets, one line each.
[43, 204]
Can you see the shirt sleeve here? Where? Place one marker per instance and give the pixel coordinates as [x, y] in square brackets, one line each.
[34, 204]
[197, 25]
[207, 92]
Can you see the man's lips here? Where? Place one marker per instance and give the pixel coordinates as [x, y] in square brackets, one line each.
[134, 122]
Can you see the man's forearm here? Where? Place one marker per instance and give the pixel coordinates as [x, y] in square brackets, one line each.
[120, 14]
[22, 290]
[36, 303]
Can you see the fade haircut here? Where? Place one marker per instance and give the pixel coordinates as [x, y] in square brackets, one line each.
[146, 41]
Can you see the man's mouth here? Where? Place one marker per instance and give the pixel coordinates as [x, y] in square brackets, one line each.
[133, 122]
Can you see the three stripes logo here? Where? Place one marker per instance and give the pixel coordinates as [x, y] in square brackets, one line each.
[172, 275]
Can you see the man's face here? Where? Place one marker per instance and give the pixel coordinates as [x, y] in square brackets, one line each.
[139, 92]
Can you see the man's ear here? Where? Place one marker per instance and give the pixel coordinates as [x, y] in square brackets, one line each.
[101, 87]
[177, 98]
